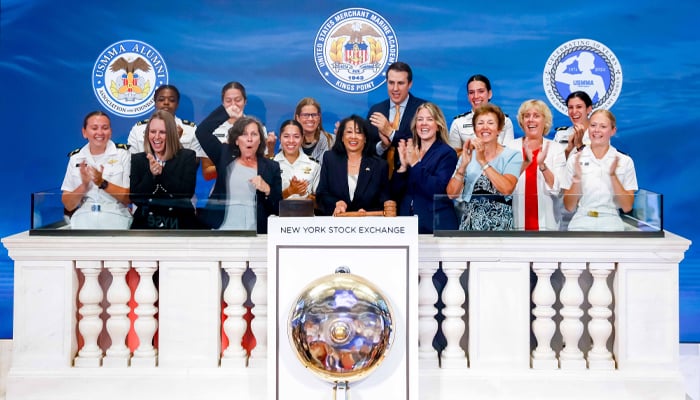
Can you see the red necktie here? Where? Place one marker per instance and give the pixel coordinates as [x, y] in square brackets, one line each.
[531, 216]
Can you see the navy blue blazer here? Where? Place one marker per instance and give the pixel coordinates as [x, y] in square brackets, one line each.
[404, 131]
[372, 184]
[415, 189]
[220, 154]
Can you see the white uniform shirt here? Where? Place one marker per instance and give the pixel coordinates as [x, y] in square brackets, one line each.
[303, 168]
[563, 134]
[117, 168]
[188, 138]
[461, 129]
[596, 188]
[549, 201]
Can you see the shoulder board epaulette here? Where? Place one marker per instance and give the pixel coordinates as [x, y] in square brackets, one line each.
[314, 160]
[190, 123]
[142, 122]
[74, 152]
[461, 115]
[561, 128]
[122, 146]
[506, 115]
[621, 152]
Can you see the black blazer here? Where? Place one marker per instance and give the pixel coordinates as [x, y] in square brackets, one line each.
[372, 184]
[220, 154]
[167, 196]
[404, 131]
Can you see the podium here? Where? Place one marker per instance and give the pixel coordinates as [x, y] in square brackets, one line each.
[382, 250]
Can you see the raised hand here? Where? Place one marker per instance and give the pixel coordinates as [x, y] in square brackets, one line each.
[153, 164]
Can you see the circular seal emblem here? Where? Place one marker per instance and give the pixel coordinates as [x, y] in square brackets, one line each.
[125, 75]
[582, 65]
[353, 48]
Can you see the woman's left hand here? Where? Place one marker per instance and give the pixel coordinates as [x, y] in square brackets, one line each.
[154, 165]
[260, 185]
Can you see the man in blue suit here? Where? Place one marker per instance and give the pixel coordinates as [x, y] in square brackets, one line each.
[387, 128]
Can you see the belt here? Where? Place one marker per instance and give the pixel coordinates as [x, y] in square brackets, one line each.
[596, 213]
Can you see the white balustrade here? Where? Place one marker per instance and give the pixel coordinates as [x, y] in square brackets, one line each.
[497, 364]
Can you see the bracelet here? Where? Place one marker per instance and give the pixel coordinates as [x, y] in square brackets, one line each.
[485, 167]
[460, 174]
[580, 147]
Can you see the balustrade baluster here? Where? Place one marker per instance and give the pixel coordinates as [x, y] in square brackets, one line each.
[453, 356]
[234, 326]
[118, 323]
[259, 323]
[90, 325]
[427, 324]
[145, 325]
[600, 328]
[571, 327]
[543, 327]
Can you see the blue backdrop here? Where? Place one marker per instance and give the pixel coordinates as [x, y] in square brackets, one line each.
[48, 50]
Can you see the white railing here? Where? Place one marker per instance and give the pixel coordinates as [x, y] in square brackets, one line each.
[603, 322]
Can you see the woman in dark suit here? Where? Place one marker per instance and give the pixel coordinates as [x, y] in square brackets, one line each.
[426, 166]
[163, 178]
[352, 179]
[248, 186]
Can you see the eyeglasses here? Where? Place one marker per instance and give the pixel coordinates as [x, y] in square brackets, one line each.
[309, 115]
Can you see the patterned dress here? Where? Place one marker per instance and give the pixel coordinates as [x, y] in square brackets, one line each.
[487, 210]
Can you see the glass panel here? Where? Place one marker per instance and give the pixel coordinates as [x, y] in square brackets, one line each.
[171, 213]
[489, 214]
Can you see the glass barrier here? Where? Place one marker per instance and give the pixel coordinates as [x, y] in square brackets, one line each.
[488, 214]
[147, 214]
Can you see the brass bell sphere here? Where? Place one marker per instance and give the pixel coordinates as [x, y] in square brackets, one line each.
[341, 327]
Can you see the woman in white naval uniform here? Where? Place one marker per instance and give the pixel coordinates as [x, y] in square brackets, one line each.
[537, 203]
[579, 106]
[478, 92]
[96, 185]
[299, 172]
[600, 180]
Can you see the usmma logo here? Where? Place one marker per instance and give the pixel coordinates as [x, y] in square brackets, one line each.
[353, 48]
[125, 75]
[582, 65]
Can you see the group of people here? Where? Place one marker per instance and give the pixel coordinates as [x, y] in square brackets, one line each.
[473, 176]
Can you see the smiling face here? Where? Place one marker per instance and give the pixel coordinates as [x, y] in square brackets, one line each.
[533, 123]
[577, 111]
[157, 137]
[397, 85]
[353, 138]
[309, 118]
[601, 129]
[167, 100]
[249, 141]
[478, 93]
[290, 140]
[486, 127]
[98, 132]
[426, 126]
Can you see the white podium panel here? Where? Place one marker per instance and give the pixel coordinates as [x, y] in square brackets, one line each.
[382, 250]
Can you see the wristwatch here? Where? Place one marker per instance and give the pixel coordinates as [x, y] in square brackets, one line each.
[104, 184]
[543, 167]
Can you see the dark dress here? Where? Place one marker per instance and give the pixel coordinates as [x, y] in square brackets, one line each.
[164, 201]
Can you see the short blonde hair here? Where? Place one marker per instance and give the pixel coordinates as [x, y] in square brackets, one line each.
[540, 107]
[608, 114]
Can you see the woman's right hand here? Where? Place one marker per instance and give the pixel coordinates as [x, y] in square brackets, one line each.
[298, 186]
[233, 111]
[340, 207]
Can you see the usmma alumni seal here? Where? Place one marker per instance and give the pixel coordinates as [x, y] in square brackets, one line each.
[125, 75]
[582, 65]
[353, 48]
